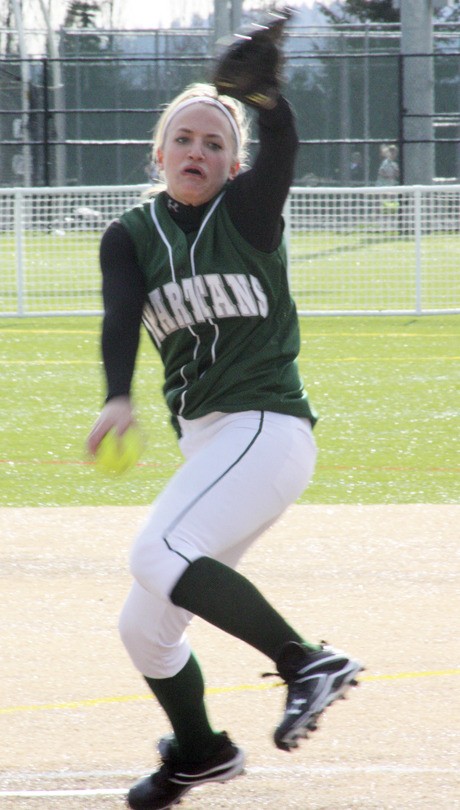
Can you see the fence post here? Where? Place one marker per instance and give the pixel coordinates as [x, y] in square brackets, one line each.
[287, 233]
[418, 249]
[18, 231]
[401, 114]
[46, 134]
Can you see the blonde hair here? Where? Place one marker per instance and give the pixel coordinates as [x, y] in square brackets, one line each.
[200, 90]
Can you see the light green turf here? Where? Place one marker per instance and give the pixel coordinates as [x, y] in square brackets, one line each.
[348, 269]
[373, 271]
[60, 272]
[387, 389]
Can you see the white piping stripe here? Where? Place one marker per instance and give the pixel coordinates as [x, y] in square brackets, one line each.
[192, 262]
[195, 353]
[164, 238]
[173, 274]
[202, 226]
[214, 343]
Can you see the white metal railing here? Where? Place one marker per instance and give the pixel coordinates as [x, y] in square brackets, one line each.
[351, 250]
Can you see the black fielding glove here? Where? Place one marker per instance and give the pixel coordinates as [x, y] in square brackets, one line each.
[250, 68]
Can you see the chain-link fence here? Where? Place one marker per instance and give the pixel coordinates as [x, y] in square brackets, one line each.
[366, 250]
[88, 116]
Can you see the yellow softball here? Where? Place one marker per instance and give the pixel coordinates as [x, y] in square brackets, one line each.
[117, 454]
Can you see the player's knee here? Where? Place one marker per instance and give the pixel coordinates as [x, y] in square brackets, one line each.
[148, 654]
[140, 645]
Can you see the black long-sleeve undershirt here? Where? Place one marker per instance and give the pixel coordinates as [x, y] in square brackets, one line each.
[254, 200]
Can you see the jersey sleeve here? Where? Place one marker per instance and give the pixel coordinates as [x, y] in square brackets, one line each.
[124, 295]
[255, 199]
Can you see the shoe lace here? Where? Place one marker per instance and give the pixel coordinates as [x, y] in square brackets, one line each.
[271, 675]
[162, 777]
[276, 674]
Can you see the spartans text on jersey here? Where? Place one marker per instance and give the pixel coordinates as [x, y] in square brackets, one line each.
[191, 301]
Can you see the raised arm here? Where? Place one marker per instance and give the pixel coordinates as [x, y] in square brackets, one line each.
[255, 199]
[250, 70]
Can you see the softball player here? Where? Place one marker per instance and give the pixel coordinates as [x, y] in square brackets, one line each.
[203, 265]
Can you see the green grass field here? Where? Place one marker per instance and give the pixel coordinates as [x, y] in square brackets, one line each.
[387, 390]
[60, 272]
[373, 271]
[336, 271]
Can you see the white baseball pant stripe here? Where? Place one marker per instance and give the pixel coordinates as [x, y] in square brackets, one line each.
[242, 470]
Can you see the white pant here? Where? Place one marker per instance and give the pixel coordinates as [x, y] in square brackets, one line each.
[242, 470]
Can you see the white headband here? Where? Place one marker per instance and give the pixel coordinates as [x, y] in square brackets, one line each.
[215, 103]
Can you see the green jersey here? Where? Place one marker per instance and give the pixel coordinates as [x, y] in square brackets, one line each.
[220, 314]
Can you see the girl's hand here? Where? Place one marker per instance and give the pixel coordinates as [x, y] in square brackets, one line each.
[118, 413]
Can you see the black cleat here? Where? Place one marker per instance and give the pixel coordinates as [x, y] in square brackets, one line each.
[314, 681]
[164, 788]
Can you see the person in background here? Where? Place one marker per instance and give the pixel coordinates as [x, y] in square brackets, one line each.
[388, 173]
[357, 169]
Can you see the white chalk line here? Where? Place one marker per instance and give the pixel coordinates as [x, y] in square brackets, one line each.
[48, 794]
[302, 770]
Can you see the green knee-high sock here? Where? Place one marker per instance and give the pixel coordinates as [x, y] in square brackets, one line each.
[182, 698]
[228, 600]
